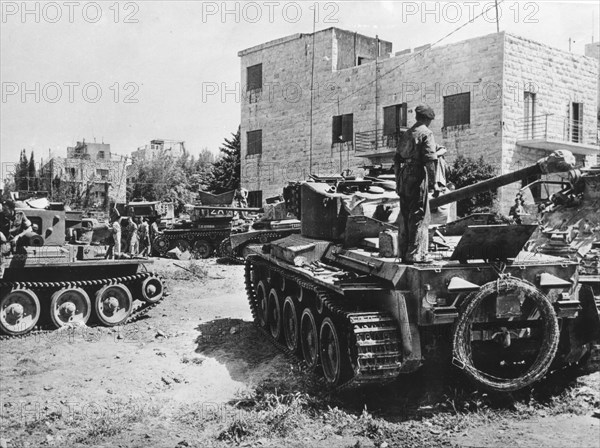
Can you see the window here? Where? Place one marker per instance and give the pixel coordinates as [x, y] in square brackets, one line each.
[254, 142]
[457, 109]
[394, 117]
[254, 77]
[100, 155]
[102, 174]
[255, 198]
[576, 122]
[529, 115]
[71, 172]
[342, 128]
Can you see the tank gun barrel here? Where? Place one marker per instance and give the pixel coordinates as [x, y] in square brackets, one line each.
[558, 162]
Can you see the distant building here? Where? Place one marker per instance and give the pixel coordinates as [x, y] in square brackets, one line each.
[156, 148]
[159, 147]
[336, 100]
[91, 171]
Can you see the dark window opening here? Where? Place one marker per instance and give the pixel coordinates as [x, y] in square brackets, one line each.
[457, 109]
[254, 77]
[103, 174]
[254, 144]
[576, 122]
[255, 198]
[72, 172]
[394, 118]
[342, 129]
[100, 155]
[529, 114]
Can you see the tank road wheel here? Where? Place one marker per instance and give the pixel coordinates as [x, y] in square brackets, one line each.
[290, 324]
[183, 245]
[161, 245]
[202, 249]
[70, 305]
[274, 313]
[333, 353]
[19, 311]
[262, 297]
[113, 305]
[309, 338]
[151, 289]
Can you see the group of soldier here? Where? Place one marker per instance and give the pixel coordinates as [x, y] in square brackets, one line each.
[131, 236]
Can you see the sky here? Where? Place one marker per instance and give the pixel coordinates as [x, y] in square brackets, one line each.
[128, 72]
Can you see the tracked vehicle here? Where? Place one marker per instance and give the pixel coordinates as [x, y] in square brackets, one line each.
[338, 298]
[46, 283]
[209, 224]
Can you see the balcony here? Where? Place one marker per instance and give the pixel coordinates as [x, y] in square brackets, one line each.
[550, 132]
[376, 146]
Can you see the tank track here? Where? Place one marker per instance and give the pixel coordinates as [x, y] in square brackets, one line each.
[374, 341]
[139, 310]
[214, 237]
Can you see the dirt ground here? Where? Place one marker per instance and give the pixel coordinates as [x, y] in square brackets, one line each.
[195, 373]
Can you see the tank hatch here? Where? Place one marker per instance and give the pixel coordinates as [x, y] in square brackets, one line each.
[496, 242]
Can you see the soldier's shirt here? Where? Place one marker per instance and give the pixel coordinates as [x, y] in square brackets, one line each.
[19, 224]
[417, 145]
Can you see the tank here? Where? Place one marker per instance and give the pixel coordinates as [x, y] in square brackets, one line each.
[276, 222]
[47, 283]
[337, 297]
[209, 224]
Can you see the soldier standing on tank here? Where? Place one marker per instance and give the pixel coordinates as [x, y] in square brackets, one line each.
[415, 165]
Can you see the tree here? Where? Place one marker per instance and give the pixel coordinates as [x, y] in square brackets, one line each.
[226, 170]
[467, 171]
[22, 173]
[165, 178]
[32, 175]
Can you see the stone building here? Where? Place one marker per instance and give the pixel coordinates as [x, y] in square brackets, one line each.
[505, 98]
[91, 171]
[156, 148]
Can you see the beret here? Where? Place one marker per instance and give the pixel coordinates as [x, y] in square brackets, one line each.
[425, 111]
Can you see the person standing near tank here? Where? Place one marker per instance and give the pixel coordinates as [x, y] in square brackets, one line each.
[415, 169]
[132, 232]
[144, 237]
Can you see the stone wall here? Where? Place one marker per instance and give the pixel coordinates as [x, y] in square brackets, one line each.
[558, 78]
[488, 67]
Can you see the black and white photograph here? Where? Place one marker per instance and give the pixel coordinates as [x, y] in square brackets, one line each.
[304, 224]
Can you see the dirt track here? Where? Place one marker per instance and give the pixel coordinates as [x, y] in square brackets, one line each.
[196, 372]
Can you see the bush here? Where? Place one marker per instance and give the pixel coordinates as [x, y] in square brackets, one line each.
[467, 171]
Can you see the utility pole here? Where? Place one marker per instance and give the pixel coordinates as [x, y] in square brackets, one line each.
[571, 41]
[497, 17]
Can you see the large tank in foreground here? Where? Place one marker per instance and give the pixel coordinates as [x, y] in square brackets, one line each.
[46, 283]
[338, 298]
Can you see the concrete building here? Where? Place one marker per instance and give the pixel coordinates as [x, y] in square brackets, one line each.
[502, 97]
[92, 171]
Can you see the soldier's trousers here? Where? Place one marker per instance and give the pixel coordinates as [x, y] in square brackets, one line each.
[414, 217]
